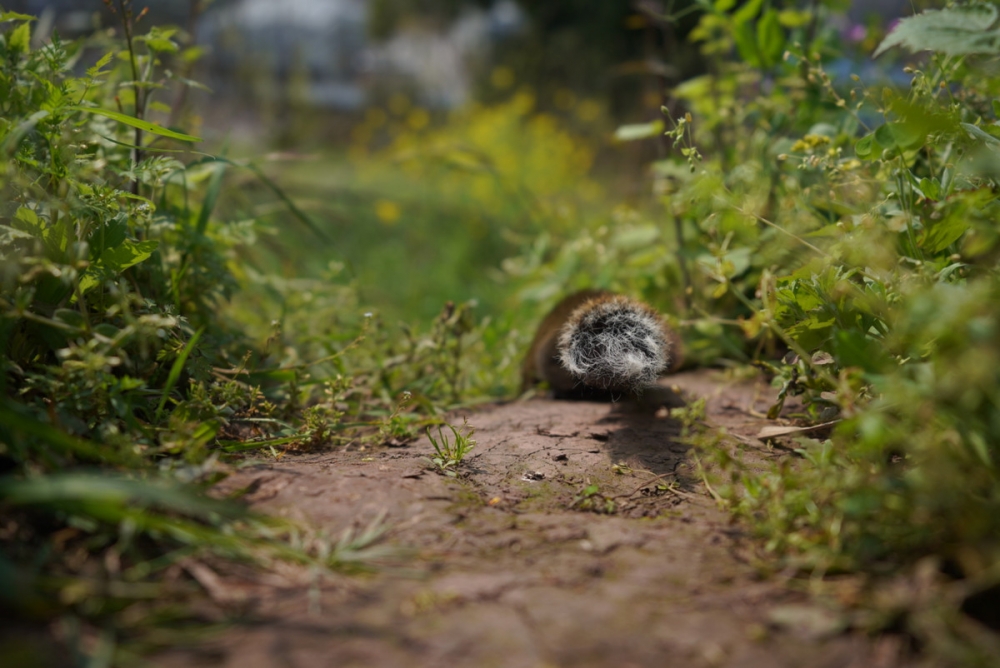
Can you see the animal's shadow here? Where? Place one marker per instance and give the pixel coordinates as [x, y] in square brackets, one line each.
[644, 436]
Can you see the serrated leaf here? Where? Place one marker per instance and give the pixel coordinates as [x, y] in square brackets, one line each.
[99, 65]
[117, 260]
[127, 254]
[953, 31]
[27, 220]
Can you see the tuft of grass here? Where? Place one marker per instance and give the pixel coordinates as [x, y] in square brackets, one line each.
[450, 453]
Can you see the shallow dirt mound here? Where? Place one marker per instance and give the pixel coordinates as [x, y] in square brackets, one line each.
[579, 535]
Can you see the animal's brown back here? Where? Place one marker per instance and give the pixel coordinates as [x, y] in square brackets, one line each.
[542, 361]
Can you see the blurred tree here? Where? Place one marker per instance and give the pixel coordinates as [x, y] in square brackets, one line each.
[613, 50]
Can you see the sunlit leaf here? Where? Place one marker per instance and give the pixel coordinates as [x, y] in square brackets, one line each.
[953, 31]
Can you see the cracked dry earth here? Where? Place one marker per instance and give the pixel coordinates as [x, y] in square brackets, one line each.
[506, 572]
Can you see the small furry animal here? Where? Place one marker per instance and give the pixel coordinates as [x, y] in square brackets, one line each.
[599, 345]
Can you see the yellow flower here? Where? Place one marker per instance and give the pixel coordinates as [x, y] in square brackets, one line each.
[388, 212]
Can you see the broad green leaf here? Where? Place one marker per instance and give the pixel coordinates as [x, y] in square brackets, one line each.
[770, 38]
[944, 233]
[898, 135]
[71, 317]
[27, 220]
[19, 39]
[746, 44]
[747, 12]
[930, 189]
[159, 40]
[794, 18]
[117, 260]
[885, 137]
[639, 131]
[996, 108]
[854, 349]
[954, 31]
[161, 45]
[865, 147]
[107, 329]
[111, 234]
[127, 254]
[136, 123]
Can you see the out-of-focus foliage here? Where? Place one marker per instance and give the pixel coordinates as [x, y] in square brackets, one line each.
[129, 375]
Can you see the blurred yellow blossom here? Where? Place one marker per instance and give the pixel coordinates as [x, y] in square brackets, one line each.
[387, 211]
[418, 119]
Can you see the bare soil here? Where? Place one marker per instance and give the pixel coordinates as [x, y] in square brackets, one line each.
[509, 566]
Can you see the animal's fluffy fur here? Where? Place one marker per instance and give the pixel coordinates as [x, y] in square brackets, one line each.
[598, 345]
[614, 343]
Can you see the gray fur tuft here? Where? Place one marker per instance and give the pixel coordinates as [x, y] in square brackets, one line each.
[614, 343]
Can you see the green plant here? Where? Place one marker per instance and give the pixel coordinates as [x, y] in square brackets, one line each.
[122, 386]
[590, 499]
[449, 454]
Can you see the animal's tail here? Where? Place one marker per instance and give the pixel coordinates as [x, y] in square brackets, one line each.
[615, 343]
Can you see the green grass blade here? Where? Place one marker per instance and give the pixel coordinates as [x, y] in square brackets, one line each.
[55, 438]
[175, 371]
[146, 126]
[107, 496]
[296, 211]
[211, 197]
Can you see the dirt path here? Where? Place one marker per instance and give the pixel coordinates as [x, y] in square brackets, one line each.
[509, 571]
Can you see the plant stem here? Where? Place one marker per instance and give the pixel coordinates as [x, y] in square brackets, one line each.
[125, 10]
